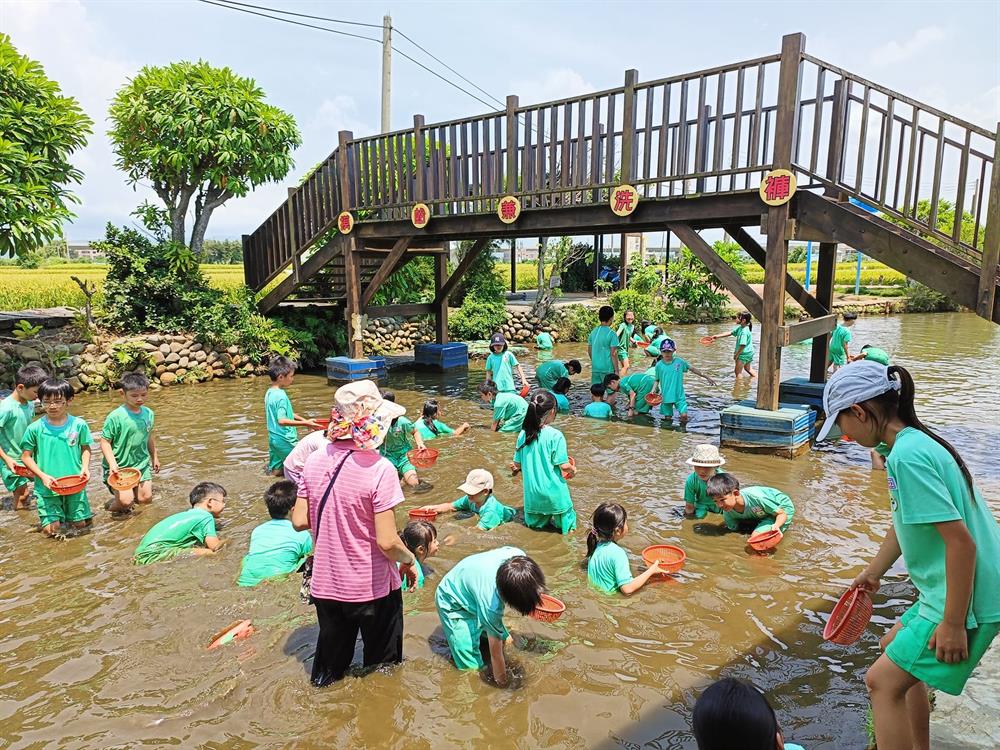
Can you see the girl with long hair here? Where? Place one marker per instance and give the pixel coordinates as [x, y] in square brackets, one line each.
[743, 351]
[607, 563]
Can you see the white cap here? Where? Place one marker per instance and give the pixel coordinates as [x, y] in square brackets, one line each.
[852, 384]
[477, 481]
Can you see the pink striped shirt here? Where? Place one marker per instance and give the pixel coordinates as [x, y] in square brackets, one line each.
[348, 564]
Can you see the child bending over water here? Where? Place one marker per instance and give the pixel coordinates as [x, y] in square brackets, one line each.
[397, 444]
[542, 455]
[187, 529]
[732, 715]
[276, 549]
[948, 539]
[421, 538]
[478, 500]
[607, 563]
[430, 427]
[765, 507]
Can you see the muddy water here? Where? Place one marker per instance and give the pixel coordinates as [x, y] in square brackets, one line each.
[96, 653]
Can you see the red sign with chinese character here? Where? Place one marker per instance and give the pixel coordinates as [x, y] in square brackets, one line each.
[420, 215]
[777, 187]
[345, 222]
[508, 209]
[624, 200]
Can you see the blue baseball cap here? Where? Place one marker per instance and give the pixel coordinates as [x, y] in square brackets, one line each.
[668, 345]
[497, 339]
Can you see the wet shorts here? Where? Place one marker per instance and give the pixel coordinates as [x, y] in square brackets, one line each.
[563, 522]
[464, 640]
[667, 410]
[63, 508]
[402, 464]
[11, 480]
[909, 652]
[277, 453]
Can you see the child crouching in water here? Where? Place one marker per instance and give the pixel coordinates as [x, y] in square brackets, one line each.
[733, 715]
[421, 538]
[607, 564]
[187, 529]
[706, 462]
[542, 455]
[430, 427]
[948, 539]
[276, 548]
[765, 507]
[478, 500]
[470, 602]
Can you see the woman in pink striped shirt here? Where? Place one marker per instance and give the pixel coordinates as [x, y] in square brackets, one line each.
[346, 495]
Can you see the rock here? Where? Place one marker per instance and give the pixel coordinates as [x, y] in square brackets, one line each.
[200, 356]
[172, 367]
[160, 369]
[176, 347]
[168, 378]
[172, 358]
[76, 383]
[165, 349]
[185, 352]
[233, 350]
[184, 361]
[4, 356]
[76, 348]
[26, 353]
[196, 347]
[155, 339]
[90, 348]
[97, 382]
[213, 357]
[180, 372]
[84, 378]
[105, 357]
[157, 357]
[148, 347]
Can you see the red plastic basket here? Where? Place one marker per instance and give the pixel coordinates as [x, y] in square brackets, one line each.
[23, 471]
[549, 610]
[706, 340]
[525, 390]
[323, 423]
[422, 515]
[849, 618]
[671, 558]
[236, 631]
[423, 458]
[765, 540]
[572, 462]
[654, 399]
[124, 479]
[69, 485]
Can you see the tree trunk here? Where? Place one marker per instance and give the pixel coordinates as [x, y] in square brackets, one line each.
[178, 215]
[200, 227]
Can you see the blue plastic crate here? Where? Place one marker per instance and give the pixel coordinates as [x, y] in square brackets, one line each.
[445, 356]
[346, 368]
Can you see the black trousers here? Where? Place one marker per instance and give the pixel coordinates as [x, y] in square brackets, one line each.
[381, 625]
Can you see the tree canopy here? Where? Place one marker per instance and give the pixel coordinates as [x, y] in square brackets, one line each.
[39, 131]
[200, 135]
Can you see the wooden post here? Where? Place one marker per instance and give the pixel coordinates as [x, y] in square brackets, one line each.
[293, 228]
[249, 263]
[419, 159]
[597, 260]
[623, 262]
[825, 276]
[789, 84]
[991, 243]
[511, 186]
[513, 265]
[441, 306]
[701, 146]
[352, 279]
[628, 127]
[540, 264]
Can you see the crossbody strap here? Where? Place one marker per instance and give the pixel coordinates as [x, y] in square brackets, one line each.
[326, 495]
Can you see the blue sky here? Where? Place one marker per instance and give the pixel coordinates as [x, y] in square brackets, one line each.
[945, 54]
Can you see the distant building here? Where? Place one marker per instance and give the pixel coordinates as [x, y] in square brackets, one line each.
[83, 251]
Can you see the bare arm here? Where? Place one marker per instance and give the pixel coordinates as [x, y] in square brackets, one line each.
[154, 456]
[300, 514]
[780, 518]
[387, 538]
[85, 461]
[439, 508]
[213, 543]
[950, 639]
[520, 371]
[887, 554]
[640, 580]
[28, 460]
[418, 439]
[109, 454]
[497, 661]
[464, 427]
[700, 374]
[739, 351]
[297, 421]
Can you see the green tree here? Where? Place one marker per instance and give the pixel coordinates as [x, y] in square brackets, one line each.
[200, 135]
[944, 223]
[39, 131]
[222, 251]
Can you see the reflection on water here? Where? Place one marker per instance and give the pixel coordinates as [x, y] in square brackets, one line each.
[98, 653]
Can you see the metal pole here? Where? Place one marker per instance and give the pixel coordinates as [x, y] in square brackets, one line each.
[386, 69]
[809, 263]
[857, 275]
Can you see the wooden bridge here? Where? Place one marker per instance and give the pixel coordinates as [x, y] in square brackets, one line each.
[696, 148]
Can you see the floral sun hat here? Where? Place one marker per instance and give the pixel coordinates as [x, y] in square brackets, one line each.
[360, 414]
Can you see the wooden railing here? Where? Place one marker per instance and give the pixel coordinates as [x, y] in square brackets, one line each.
[711, 131]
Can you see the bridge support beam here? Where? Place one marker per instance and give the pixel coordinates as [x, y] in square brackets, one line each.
[825, 277]
[991, 246]
[440, 301]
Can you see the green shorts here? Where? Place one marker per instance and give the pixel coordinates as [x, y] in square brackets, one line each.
[622, 355]
[402, 463]
[63, 508]
[563, 522]
[463, 634]
[667, 410]
[909, 652]
[838, 358]
[11, 480]
[597, 376]
[277, 453]
[745, 358]
[158, 554]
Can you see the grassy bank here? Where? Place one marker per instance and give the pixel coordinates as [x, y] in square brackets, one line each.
[23, 288]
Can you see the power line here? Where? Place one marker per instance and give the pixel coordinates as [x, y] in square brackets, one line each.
[304, 15]
[288, 20]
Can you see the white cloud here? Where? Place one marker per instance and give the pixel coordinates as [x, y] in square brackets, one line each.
[560, 83]
[336, 114]
[894, 52]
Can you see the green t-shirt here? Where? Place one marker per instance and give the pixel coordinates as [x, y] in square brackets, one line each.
[128, 432]
[419, 570]
[744, 338]
[276, 549]
[653, 350]
[671, 378]
[641, 384]
[427, 434]
[175, 533]
[545, 489]
[761, 503]
[696, 492]
[877, 355]
[56, 449]
[277, 406]
[624, 334]
[926, 487]
[14, 420]
[601, 341]
[501, 367]
[397, 439]
[841, 335]
[549, 372]
[509, 409]
[598, 410]
[469, 591]
[608, 567]
[562, 403]
[491, 514]
[544, 340]
[649, 331]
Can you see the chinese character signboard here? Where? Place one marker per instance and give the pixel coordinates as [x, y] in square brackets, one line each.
[777, 187]
[420, 215]
[624, 199]
[345, 222]
[509, 209]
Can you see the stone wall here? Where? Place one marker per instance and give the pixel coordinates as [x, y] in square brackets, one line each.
[389, 335]
[166, 359]
[520, 325]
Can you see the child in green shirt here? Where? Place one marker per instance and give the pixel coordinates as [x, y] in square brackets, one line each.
[397, 444]
[281, 419]
[508, 408]
[543, 339]
[541, 454]
[624, 332]
[471, 599]
[743, 350]
[637, 386]
[276, 548]
[187, 529]
[947, 537]
[16, 413]
[430, 427]
[602, 346]
[421, 538]
[706, 463]
[560, 389]
[547, 373]
[670, 381]
[598, 408]
[127, 442]
[478, 500]
[607, 563]
[58, 445]
[838, 353]
[873, 354]
[500, 365]
[763, 507]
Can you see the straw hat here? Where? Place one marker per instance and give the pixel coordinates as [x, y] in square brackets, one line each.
[705, 455]
[361, 414]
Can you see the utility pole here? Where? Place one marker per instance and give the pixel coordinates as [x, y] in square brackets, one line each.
[386, 69]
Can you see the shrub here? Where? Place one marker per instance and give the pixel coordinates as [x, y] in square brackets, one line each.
[645, 306]
[484, 308]
[693, 294]
[920, 298]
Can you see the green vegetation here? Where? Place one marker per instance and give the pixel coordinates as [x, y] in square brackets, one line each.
[873, 273]
[920, 298]
[40, 130]
[483, 310]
